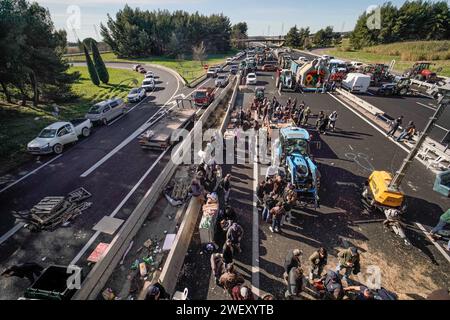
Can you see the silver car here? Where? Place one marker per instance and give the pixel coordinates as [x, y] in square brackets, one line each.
[105, 111]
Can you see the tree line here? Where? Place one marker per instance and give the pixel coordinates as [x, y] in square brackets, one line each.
[138, 33]
[303, 39]
[414, 20]
[31, 58]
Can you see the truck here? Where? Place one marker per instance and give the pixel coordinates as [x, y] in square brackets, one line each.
[54, 137]
[293, 156]
[160, 137]
[203, 96]
[285, 80]
[399, 87]
[356, 82]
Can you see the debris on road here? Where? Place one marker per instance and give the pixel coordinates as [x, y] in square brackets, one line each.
[51, 212]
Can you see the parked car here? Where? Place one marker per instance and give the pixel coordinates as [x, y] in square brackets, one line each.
[142, 70]
[222, 81]
[136, 67]
[211, 73]
[219, 68]
[203, 96]
[54, 137]
[234, 69]
[105, 111]
[269, 67]
[229, 60]
[136, 95]
[148, 84]
[251, 78]
[149, 74]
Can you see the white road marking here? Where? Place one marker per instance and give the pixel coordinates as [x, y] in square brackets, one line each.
[30, 173]
[441, 250]
[255, 229]
[351, 147]
[369, 123]
[140, 130]
[424, 105]
[440, 127]
[11, 232]
[117, 209]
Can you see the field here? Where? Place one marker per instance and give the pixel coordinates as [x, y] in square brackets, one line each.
[19, 125]
[189, 69]
[405, 54]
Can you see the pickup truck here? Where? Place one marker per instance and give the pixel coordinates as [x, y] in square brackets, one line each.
[203, 96]
[54, 137]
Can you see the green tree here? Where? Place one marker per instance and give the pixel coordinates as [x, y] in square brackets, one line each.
[91, 68]
[293, 38]
[100, 66]
[239, 32]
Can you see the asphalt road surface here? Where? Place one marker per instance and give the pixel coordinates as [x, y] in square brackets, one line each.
[110, 164]
[414, 108]
[345, 158]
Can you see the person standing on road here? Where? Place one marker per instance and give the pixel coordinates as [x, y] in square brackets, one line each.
[225, 187]
[332, 120]
[294, 283]
[227, 252]
[407, 132]
[444, 220]
[307, 115]
[394, 126]
[350, 261]
[292, 260]
[217, 266]
[318, 261]
[234, 234]
[319, 120]
[277, 214]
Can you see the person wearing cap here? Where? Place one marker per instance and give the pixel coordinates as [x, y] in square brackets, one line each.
[292, 260]
[231, 278]
[241, 292]
[217, 266]
[363, 293]
[318, 261]
[348, 260]
[234, 234]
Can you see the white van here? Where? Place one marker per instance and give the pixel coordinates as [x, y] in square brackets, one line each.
[356, 82]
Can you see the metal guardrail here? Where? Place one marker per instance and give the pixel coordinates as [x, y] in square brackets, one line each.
[100, 273]
[363, 104]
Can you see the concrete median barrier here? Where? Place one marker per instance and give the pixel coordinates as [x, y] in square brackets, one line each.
[363, 104]
[100, 273]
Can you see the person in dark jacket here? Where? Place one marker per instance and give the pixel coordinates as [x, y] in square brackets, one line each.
[292, 260]
[350, 261]
[227, 252]
[333, 286]
[234, 234]
[394, 126]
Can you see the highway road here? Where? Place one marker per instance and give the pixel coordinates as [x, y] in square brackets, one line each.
[414, 108]
[346, 158]
[110, 164]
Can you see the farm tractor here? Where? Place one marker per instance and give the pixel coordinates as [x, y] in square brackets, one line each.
[285, 80]
[421, 71]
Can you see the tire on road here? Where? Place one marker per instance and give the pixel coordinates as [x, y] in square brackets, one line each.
[85, 132]
[58, 148]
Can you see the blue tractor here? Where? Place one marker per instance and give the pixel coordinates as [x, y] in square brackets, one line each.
[294, 158]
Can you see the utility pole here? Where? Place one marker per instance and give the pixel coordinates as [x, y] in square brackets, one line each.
[443, 103]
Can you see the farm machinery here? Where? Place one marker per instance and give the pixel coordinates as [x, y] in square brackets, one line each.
[285, 80]
[421, 71]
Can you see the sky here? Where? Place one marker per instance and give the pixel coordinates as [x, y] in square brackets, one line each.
[263, 17]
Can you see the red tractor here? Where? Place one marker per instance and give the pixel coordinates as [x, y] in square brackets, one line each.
[421, 71]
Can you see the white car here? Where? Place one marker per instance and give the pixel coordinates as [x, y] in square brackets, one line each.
[229, 60]
[149, 74]
[148, 84]
[55, 136]
[222, 81]
[136, 95]
[251, 78]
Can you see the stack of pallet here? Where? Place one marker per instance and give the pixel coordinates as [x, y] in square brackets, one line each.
[51, 212]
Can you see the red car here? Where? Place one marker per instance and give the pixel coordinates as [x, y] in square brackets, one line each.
[269, 67]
